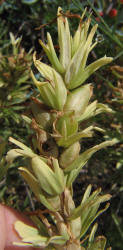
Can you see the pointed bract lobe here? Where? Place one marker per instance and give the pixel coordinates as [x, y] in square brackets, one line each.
[53, 91]
[64, 39]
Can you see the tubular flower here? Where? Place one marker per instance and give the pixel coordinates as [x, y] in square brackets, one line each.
[53, 91]
[74, 52]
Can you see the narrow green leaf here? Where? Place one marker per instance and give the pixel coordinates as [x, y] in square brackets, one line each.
[85, 74]
[84, 157]
[92, 234]
[54, 59]
[99, 244]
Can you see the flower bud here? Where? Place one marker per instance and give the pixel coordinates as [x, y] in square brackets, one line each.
[66, 126]
[69, 155]
[36, 189]
[52, 182]
[53, 91]
[78, 99]
[78, 61]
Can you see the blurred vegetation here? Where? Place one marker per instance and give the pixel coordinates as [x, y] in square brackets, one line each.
[20, 30]
[15, 85]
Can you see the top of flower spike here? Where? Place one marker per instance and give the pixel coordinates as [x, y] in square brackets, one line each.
[73, 51]
[66, 45]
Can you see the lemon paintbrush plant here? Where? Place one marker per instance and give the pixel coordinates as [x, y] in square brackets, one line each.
[63, 103]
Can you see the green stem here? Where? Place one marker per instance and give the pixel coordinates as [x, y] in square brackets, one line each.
[119, 55]
[116, 221]
[108, 82]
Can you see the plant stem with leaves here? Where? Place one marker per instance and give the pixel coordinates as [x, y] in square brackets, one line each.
[55, 158]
